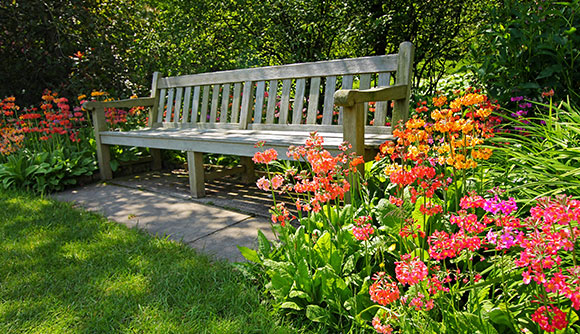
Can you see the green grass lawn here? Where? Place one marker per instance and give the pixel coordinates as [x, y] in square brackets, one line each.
[63, 270]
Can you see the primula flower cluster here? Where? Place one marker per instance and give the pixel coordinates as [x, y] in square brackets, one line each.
[550, 318]
[410, 270]
[52, 120]
[325, 180]
[441, 138]
[549, 235]
[383, 291]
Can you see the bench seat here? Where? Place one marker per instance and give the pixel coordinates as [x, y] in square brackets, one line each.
[228, 112]
[228, 141]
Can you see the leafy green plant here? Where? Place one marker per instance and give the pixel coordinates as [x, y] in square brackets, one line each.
[528, 46]
[542, 156]
[44, 172]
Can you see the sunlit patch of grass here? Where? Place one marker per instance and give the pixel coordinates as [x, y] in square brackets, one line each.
[64, 270]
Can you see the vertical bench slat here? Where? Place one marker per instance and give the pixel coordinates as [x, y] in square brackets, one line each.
[236, 102]
[178, 97]
[204, 105]
[284, 101]
[170, 100]
[347, 81]
[259, 106]
[154, 111]
[225, 103]
[298, 101]
[381, 107]
[186, 103]
[195, 106]
[313, 100]
[272, 96]
[365, 83]
[329, 100]
[404, 76]
[214, 103]
[161, 105]
[246, 104]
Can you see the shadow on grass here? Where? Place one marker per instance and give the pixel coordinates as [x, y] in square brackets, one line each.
[65, 270]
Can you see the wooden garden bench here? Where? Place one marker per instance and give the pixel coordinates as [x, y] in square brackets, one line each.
[228, 112]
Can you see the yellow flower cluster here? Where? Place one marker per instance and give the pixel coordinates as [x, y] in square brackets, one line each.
[439, 101]
[453, 138]
[98, 93]
[467, 100]
[482, 154]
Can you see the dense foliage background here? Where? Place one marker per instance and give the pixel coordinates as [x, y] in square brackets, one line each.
[75, 46]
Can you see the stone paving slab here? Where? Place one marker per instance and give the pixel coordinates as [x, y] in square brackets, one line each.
[224, 243]
[204, 227]
[227, 192]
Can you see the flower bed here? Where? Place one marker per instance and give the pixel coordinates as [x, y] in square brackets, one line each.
[47, 147]
[424, 244]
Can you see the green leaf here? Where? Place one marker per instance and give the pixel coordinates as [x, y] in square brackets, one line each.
[322, 247]
[317, 313]
[300, 294]
[549, 71]
[249, 254]
[114, 165]
[263, 244]
[529, 85]
[291, 305]
[304, 279]
[499, 317]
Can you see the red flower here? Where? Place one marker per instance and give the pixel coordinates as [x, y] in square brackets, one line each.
[265, 157]
[550, 318]
[383, 292]
[410, 271]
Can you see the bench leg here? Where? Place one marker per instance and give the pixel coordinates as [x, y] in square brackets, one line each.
[156, 155]
[104, 157]
[196, 174]
[249, 175]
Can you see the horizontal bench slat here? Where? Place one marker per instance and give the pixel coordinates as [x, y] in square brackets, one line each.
[375, 64]
[237, 142]
[128, 103]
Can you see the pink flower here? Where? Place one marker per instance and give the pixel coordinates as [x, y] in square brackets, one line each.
[380, 328]
[382, 291]
[277, 181]
[410, 271]
[265, 157]
[263, 183]
[362, 233]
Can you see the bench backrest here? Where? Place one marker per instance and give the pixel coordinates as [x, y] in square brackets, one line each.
[296, 96]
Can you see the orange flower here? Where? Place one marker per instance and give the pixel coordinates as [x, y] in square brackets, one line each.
[483, 154]
[98, 93]
[357, 161]
[439, 101]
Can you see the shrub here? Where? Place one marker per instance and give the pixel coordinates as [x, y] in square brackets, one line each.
[528, 46]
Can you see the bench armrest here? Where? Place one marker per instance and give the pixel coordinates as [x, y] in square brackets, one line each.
[128, 103]
[350, 97]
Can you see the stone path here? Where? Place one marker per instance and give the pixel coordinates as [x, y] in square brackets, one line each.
[162, 211]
